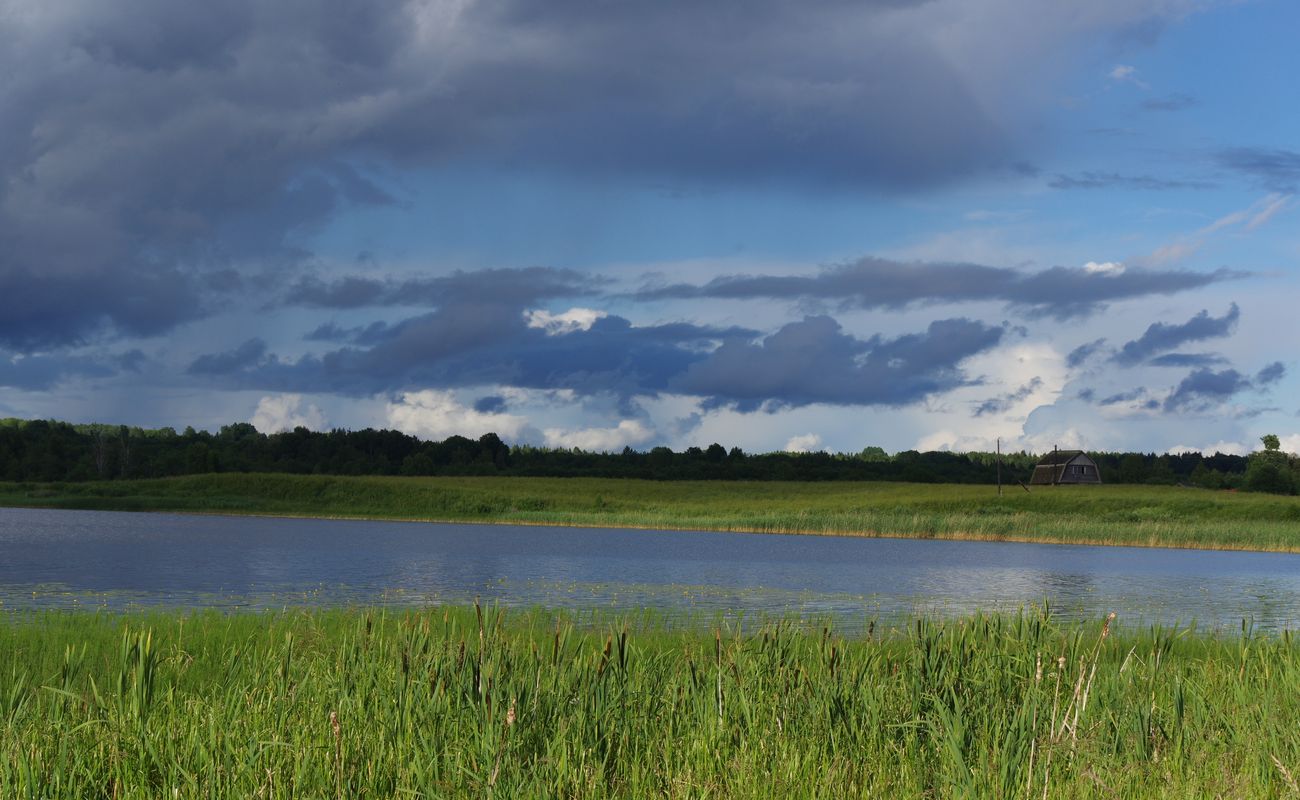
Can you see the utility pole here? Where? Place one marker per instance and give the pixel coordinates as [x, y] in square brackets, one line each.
[999, 466]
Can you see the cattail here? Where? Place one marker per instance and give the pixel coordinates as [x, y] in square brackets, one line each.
[1105, 626]
[1038, 668]
[334, 724]
[1060, 663]
[510, 714]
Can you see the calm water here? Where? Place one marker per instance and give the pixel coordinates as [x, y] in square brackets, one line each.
[116, 560]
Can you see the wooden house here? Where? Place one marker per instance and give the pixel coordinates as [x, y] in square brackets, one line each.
[1065, 466]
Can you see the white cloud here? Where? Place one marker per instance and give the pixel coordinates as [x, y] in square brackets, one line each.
[1227, 448]
[436, 415]
[1247, 220]
[1104, 268]
[954, 442]
[571, 321]
[284, 413]
[1270, 206]
[626, 433]
[1126, 73]
[1290, 444]
[807, 443]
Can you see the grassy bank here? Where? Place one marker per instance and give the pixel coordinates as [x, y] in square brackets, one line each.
[1121, 515]
[449, 703]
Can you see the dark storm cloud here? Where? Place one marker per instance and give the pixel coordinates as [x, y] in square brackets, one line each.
[362, 334]
[42, 310]
[1173, 102]
[872, 283]
[1186, 360]
[40, 372]
[1112, 180]
[465, 344]
[469, 344]
[510, 286]
[815, 361]
[491, 404]
[1084, 352]
[153, 142]
[1130, 396]
[998, 405]
[1205, 388]
[1274, 168]
[246, 355]
[1162, 336]
[1270, 374]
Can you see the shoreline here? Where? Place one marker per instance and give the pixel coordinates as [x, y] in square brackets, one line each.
[952, 536]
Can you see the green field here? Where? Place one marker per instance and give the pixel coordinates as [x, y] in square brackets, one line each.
[1119, 515]
[458, 703]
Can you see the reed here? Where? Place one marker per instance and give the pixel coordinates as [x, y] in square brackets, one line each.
[1114, 514]
[478, 702]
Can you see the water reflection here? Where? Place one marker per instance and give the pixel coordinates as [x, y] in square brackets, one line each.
[116, 560]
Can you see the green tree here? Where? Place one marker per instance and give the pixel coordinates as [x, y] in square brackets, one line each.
[1268, 470]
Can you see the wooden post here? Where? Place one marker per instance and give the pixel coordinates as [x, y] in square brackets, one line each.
[1055, 459]
[999, 466]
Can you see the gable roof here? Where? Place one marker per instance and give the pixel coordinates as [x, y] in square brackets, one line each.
[1059, 457]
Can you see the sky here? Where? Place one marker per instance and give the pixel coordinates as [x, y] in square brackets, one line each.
[778, 225]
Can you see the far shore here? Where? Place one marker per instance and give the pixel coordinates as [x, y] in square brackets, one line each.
[1112, 515]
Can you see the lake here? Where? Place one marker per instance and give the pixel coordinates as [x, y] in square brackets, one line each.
[116, 560]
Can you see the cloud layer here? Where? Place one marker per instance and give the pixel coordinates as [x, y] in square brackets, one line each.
[876, 283]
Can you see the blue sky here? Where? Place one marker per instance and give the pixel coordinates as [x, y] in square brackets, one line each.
[768, 224]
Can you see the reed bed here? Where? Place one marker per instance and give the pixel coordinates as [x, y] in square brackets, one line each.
[478, 702]
[1162, 516]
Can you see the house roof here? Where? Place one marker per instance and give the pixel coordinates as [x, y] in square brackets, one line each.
[1059, 457]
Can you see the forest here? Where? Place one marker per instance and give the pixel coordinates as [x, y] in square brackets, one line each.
[46, 450]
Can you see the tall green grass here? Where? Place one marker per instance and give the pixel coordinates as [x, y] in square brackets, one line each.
[468, 702]
[1125, 515]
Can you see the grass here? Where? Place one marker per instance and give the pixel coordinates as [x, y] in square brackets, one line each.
[1112, 515]
[465, 702]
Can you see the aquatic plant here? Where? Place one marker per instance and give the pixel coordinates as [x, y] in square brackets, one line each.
[477, 702]
[1122, 515]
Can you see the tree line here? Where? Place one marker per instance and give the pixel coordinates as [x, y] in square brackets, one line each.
[46, 450]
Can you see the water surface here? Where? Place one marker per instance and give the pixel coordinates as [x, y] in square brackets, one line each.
[51, 558]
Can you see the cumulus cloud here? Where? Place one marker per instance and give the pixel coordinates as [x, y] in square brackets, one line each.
[1163, 336]
[815, 361]
[627, 433]
[286, 412]
[479, 343]
[1222, 446]
[435, 415]
[874, 283]
[807, 443]
[575, 319]
[1123, 72]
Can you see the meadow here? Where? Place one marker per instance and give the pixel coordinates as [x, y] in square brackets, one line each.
[1163, 516]
[478, 702]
